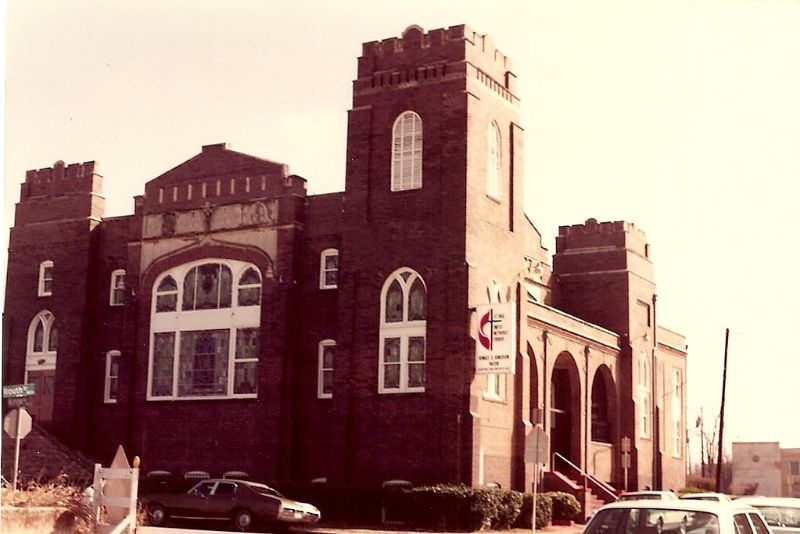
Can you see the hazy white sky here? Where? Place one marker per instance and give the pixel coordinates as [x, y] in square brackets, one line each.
[680, 116]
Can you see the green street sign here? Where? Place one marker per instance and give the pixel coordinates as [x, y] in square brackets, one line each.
[18, 390]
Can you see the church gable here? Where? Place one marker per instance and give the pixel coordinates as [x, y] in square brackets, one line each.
[217, 176]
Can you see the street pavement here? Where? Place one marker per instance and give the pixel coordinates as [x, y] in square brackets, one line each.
[574, 529]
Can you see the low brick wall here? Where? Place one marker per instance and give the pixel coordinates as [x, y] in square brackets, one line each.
[35, 520]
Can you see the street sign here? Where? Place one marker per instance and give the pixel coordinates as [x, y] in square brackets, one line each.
[18, 390]
[626, 444]
[16, 428]
[536, 446]
[626, 460]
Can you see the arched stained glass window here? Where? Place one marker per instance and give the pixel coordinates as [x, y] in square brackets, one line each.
[403, 333]
[209, 347]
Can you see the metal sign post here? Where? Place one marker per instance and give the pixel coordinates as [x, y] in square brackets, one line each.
[536, 450]
[626, 459]
[17, 423]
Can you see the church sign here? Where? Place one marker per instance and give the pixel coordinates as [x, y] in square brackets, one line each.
[495, 339]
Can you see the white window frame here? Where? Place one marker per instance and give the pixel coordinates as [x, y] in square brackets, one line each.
[44, 291]
[404, 330]
[321, 369]
[644, 414]
[116, 294]
[677, 412]
[324, 255]
[404, 154]
[110, 356]
[496, 384]
[45, 359]
[232, 319]
[493, 160]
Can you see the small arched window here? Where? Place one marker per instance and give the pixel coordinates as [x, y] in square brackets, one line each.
[45, 278]
[249, 293]
[407, 152]
[167, 295]
[493, 161]
[329, 269]
[403, 326]
[116, 295]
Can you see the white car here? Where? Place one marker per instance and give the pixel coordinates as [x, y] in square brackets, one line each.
[710, 496]
[782, 513]
[676, 516]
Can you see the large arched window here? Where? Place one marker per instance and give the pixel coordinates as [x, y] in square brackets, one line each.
[493, 161]
[601, 428]
[204, 331]
[42, 343]
[407, 152]
[403, 324]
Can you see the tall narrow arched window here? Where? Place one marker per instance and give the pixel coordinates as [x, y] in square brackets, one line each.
[204, 343]
[111, 385]
[327, 348]
[407, 152]
[601, 429]
[403, 324]
[493, 161]
[40, 364]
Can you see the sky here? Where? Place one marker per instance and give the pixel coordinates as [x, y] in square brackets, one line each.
[680, 116]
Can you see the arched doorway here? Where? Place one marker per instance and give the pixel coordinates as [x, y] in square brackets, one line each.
[565, 411]
[40, 365]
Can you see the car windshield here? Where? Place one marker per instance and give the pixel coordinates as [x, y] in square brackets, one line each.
[780, 516]
[263, 489]
[652, 521]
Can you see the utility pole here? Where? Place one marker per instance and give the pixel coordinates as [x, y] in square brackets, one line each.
[722, 414]
[702, 447]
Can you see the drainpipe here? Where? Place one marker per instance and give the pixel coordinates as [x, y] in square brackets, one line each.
[655, 415]
[586, 415]
[545, 403]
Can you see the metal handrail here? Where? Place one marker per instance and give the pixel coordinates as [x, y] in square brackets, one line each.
[605, 487]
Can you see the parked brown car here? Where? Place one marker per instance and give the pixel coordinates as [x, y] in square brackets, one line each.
[238, 501]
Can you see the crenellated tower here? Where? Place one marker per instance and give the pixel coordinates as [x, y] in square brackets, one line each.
[49, 278]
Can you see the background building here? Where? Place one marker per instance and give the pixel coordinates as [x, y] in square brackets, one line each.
[764, 468]
[234, 322]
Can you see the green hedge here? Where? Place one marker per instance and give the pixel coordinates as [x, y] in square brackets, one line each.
[565, 506]
[544, 511]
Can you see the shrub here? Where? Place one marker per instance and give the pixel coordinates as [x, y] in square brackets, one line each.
[58, 493]
[459, 507]
[509, 505]
[690, 489]
[565, 506]
[544, 511]
[701, 483]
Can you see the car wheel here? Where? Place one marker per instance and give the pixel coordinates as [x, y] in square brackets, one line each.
[660, 525]
[684, 522]
[156, 515]
[243, 520]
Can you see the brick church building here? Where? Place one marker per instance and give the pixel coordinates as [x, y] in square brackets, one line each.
[234, 322]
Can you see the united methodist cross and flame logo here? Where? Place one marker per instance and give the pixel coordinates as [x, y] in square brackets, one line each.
[487, 338]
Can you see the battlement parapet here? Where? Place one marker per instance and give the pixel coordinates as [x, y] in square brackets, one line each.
[417, 48]
[602, 235]
[61, 179]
